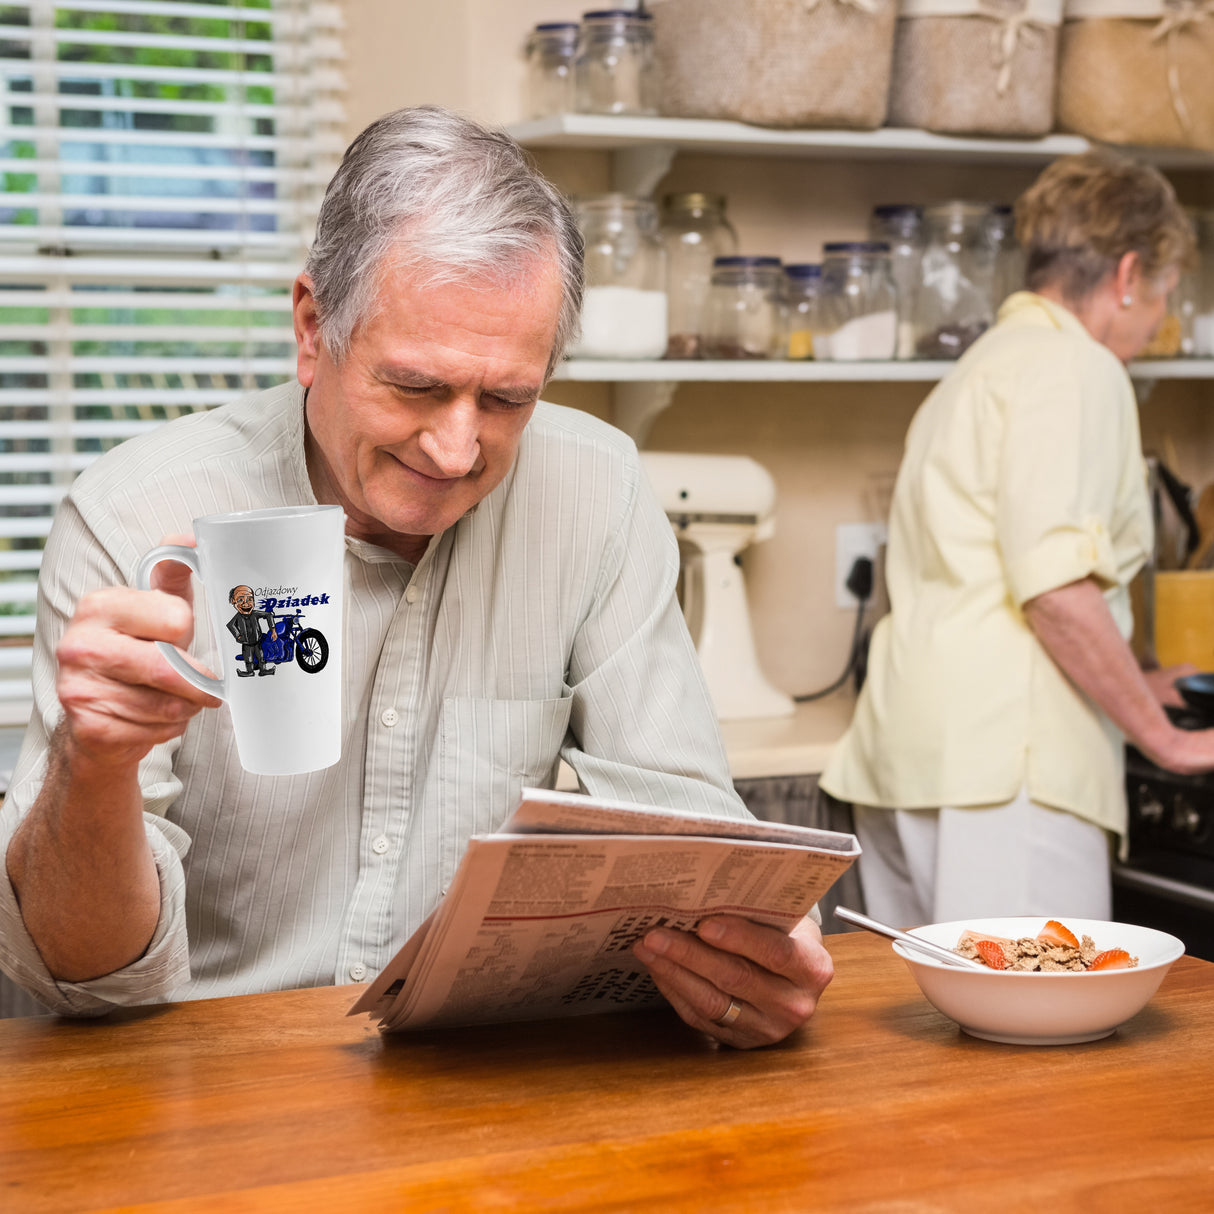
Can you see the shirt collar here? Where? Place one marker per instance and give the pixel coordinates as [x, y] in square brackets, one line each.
[296, 451]
[1033, 308]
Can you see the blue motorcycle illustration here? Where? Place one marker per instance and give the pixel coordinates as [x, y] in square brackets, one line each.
[288, 639]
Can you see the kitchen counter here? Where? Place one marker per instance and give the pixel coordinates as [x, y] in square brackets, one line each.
[776, 746]
[788, 746]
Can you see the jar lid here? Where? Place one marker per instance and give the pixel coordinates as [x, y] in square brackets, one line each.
[548, 27]
[746, 263]
[855, 246]
[902, 219]
[616, 14]
[957, 209]
[1001, 220]
[694, 201]
[803, 270]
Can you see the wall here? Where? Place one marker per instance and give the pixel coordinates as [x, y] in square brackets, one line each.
[833, 449]
[462, 53]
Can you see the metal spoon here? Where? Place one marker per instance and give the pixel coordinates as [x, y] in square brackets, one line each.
[935, 951]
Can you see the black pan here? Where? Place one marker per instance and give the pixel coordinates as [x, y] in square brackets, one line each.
[1197, 691]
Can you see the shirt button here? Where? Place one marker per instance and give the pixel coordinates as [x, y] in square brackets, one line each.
[389, 716]
[380, 845]
[412, 594]
[358, 971]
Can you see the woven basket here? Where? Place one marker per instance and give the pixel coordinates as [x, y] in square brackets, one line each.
[989, 71]
[1145, 80]
[807, 63]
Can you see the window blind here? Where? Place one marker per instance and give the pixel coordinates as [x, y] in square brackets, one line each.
[162, 165]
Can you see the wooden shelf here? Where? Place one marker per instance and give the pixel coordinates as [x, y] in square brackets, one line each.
[620, 133]
[642, 150]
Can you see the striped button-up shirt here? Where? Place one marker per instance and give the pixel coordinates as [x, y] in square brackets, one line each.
[542, 625]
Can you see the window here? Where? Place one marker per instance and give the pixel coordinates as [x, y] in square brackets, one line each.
[162, 164]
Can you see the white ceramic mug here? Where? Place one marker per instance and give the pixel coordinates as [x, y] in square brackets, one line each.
[273, 583]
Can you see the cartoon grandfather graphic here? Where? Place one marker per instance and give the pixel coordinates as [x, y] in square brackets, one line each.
[245, 626]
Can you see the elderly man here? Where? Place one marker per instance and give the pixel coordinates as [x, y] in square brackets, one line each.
[511, 602]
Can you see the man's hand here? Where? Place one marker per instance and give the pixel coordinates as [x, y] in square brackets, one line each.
[776, 979]
[120, 697]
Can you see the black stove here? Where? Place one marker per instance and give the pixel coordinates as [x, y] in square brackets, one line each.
[1167, 879]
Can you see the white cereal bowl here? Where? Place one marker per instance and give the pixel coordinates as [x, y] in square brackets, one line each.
[1036, 1008]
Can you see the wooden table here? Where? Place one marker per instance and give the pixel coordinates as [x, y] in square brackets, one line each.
[278, 1102]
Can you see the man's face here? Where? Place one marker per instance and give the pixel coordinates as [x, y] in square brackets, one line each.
[423, 417]
[242, 598]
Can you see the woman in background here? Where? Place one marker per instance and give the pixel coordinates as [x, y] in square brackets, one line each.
[985, 761]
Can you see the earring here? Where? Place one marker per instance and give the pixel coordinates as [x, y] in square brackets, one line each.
[1127, 300]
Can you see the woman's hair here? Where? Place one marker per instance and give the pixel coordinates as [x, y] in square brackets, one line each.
[1085, 212]
[429, 190]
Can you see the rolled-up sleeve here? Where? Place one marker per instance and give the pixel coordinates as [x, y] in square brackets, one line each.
[163, 967]
[1060, 471]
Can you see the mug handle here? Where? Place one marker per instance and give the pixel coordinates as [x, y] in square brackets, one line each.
[143, 576]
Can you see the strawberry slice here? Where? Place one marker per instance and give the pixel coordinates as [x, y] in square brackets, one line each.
[991, 954]
[1054, 933]
[1111, 959]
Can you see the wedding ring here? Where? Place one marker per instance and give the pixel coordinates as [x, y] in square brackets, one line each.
[732, 1012]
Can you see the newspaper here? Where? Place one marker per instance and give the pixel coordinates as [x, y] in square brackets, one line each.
[541, 916]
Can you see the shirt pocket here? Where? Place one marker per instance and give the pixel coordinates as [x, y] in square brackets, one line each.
[491, 750]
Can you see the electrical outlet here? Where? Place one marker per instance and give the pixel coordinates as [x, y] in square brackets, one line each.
[854, 540]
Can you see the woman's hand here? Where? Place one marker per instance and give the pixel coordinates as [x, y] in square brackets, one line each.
[1076, 628]
[1162, 682]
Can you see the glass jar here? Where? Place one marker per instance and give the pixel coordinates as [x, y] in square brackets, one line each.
[614, 72]
[695, 232]
[1203, 289]
[624, 306]
[1007, 262]
[900, 225]
[857, 303]
[745, 308]
[802, 284]
[953, 305]
[551, 50]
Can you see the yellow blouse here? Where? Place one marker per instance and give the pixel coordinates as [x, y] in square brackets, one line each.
[1023, 471]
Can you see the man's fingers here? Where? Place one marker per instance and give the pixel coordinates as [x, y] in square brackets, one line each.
[773, 979]
[129, 671]
[702, 1005]
[93, 648]
[118, 690]
[150, 615]
[700, 982]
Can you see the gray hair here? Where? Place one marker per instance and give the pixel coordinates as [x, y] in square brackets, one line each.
[432, 191]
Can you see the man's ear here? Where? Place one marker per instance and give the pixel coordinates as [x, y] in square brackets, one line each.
[306, 320]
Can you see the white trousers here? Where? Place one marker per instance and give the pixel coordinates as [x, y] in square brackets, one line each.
[936, 865]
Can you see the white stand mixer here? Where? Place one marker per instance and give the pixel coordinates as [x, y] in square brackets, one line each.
[718, 505]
